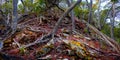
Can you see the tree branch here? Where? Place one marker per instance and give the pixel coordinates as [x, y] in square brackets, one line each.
[61, 18]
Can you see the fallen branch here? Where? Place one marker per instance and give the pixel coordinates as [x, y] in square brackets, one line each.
[43, 39]
[102, 52]
[110, 41]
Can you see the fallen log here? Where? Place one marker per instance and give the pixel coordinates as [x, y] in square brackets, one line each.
[107, 39]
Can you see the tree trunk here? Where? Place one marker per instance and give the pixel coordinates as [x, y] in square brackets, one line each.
[31, 3]
[99, 15]
[72, 15]
[15, 15]
[25, 9]
[0, 2]
[90, 13]
[112, 21]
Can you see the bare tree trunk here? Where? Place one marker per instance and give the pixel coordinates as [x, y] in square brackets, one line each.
[31, 3]
[61, 18]
[0, 2]
[25, 10]
[112, 21]
[0, 5]
[8, 15]
[72, 15]
[90, 13]
[99, 16]
[15, 16]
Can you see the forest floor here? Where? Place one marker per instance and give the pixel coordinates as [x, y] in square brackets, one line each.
[25, 44]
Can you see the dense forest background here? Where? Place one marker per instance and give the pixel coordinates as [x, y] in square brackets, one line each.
[99, 20]
[105, 14]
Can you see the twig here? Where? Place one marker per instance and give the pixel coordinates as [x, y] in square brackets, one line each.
[42, 39]
[16, 43]
[28, 21]
[36, 30]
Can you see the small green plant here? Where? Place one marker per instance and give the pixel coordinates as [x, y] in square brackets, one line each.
[39, 6]
[22, 50]
[7, 7]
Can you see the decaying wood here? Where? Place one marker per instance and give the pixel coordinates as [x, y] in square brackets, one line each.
[108, 40]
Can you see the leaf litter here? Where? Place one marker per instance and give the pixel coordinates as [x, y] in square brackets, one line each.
[25, 43]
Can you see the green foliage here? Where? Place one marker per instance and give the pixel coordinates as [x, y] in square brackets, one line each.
[7, 7]
[114, 1]
[21, 8]
[28, 4]
[103, 16]
[106, 29]
[35, 7]
[22, 50]
[80, 12]
[39, 6]
[118, 40]
[117, 34]
[77, 11]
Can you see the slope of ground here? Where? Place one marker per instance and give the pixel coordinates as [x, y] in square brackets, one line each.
[25, 44]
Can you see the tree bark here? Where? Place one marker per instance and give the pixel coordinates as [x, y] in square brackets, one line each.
[25, 9]
[99, 15]
[31, 3]
[0, 2]
[15, 16]
[112, 21]
[72, 15]
[90, 13]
